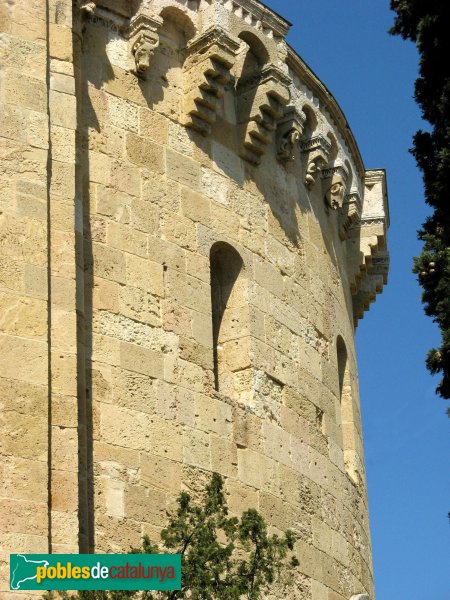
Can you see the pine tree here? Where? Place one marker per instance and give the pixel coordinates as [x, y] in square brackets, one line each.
[426, 23]
[223, 557]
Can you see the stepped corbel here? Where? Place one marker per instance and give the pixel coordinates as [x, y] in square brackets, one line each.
[289, 131]
[206, 73]
[318, 150]
[260, 101]
[144, 33]
[367, 256]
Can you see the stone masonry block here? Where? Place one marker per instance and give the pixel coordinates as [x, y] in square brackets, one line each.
[144, 274]
[160, 472]
[277, 443]
[241, 497]
[182, 169]
[213, 416]
[60, 42]
[153, 125]
[127, 239]
[189, 292]
[196, 449]
[144, 153]
[145, 504]
[22, 516]
[26, 91]
[123, 114]
[195, 206]
[224, 457]
[167, 254]
[141, 360]
[250, 467]
[25, 479]
[179, 230]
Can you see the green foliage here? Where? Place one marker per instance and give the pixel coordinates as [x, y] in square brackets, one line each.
[426, 23]
[223, 557]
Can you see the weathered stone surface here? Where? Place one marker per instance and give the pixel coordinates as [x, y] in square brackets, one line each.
[173, 283]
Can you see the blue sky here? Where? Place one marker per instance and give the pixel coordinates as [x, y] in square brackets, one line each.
[371, 74]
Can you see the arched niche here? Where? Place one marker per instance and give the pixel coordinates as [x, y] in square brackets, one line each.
[228, 304]
[262, 92]
[331, 138]
[166, 80]
[176, 23]
[345, 414]
[251, 57]
[350, 174]
[311, 123]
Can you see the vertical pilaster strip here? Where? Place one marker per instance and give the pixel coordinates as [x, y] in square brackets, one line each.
[63, 459]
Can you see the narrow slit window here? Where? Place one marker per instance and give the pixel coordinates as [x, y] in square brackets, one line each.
[225, 266]
[346, 416]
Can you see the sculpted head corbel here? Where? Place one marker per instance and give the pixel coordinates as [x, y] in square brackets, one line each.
[143, 49]
[289, 132]
[144, 31]
[336, 179]
[313, 170]
[317, 149]
[350, 214]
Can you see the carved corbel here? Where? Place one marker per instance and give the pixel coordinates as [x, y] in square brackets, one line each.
[360, 597]
[336, 178]
[261, 98]
[144, 33]
[206, 73]
[86, 7]
[350, 214]
[289, 132]
[318, 150]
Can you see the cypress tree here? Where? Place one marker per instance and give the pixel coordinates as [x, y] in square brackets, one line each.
[427, 24]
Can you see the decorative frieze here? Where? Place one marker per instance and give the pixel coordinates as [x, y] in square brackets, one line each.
[289, 131]
[209, 59]
[102, 16]
[318, 150]
[259, 16]
[260, 101]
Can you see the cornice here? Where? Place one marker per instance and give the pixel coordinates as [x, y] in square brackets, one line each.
[259, 15]
[329, 102]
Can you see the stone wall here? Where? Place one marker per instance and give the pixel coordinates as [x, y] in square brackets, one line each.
[189, 237]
